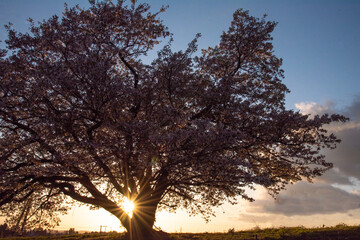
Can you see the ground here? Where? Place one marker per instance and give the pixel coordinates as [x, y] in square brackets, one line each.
[339, 232]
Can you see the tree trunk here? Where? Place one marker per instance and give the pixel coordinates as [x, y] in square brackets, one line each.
[140, 226]
[142, 222]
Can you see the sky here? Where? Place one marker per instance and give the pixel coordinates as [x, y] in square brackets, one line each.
[319, 42]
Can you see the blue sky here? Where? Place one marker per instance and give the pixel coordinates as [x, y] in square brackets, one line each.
[319, 42]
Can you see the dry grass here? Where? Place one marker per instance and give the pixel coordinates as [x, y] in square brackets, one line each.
[339, 232]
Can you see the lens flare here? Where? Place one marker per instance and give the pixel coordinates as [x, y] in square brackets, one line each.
[128, 207]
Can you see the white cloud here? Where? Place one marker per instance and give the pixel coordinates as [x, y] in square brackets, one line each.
[315, 108]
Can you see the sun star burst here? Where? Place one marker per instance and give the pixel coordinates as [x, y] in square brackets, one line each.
[128, 207]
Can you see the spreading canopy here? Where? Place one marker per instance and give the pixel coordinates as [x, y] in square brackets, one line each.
[81, 115]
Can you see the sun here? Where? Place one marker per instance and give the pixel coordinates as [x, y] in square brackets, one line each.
[129, 207]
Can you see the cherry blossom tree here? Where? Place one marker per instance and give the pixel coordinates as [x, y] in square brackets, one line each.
[83, 117]
[38, 209]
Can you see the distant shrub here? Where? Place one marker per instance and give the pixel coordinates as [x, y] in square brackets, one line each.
[256, 228]
[341, 225]
[231, 231]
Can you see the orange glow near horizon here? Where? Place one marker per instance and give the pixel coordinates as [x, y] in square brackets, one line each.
[228, 216]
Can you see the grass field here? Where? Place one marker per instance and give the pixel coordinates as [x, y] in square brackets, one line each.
[340, 232]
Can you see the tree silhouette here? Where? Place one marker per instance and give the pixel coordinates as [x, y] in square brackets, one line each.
[82, 116]
[37, 209]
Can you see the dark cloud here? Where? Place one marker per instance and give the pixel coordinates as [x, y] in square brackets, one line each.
[346, 157]
[322, 197]
[353, 111]
[334, 176]
[308, 199]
